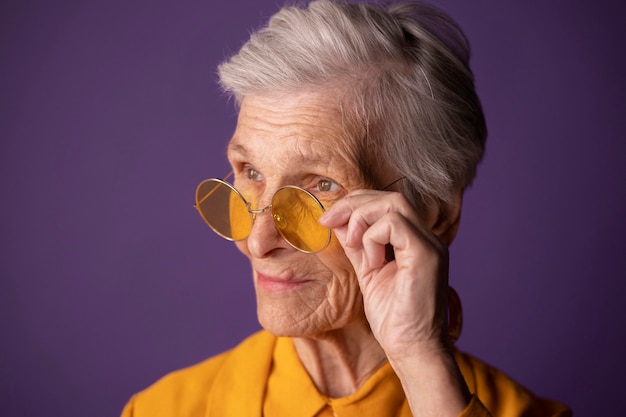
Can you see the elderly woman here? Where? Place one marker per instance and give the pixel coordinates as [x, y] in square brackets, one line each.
[358, 131]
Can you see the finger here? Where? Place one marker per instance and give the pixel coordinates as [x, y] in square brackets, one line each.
[339, 213]
[368, 206]
[409, 245]
[369, 254]
[375, 208]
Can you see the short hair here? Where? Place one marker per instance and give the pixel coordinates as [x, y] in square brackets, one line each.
[401, 73]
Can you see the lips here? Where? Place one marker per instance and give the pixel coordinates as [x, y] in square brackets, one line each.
[274, 283]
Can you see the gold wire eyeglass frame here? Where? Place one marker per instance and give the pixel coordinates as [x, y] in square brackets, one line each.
[276, 217]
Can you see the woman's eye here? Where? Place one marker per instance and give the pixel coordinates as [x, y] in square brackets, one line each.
[327, 185]
[253, 174]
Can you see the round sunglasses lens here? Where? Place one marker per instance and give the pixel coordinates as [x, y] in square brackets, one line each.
[296, 214]
[223, 209]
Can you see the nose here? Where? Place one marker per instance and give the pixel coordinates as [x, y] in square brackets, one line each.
[264, 236]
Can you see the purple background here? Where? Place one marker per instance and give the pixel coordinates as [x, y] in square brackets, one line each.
[110, 116]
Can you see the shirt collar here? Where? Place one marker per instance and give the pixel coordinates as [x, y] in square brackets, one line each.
[290, 390]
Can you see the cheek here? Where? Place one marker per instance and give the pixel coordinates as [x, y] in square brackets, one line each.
[334, 257]
[344, 290]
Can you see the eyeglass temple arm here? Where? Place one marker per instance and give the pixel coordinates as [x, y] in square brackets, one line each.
[392, 183]
[230, 174]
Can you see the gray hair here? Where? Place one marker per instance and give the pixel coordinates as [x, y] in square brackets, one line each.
[401, 74]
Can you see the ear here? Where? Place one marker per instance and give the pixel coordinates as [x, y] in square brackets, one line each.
[444, 218]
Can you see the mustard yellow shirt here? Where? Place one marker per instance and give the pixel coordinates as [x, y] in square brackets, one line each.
[263, 376]
[291, 392]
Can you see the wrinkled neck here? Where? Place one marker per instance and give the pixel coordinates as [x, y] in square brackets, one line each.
[339, 362]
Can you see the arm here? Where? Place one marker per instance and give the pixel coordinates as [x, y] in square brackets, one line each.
[406, 303]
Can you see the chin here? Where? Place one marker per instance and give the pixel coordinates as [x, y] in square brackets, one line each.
[281, 323]
[308, 325]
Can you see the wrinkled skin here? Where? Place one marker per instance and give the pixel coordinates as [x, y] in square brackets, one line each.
[347, 308]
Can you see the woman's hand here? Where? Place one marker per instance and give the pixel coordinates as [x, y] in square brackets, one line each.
[405, 295]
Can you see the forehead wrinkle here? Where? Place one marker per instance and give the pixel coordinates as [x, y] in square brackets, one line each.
[302, 119]
[300, 148]
[310, 131]
[303, 151]
[298, 153]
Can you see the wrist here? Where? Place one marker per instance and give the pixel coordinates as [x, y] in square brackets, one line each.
[432, 382]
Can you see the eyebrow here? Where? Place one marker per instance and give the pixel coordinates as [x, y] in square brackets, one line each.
[237, 147]
[234, 146]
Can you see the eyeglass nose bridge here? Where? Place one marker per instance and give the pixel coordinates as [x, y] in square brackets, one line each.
[254, 212]
[279, 219]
